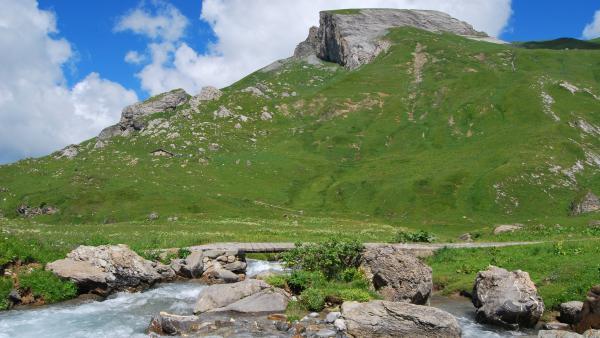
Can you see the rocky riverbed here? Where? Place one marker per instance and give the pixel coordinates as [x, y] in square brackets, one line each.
[127, 314]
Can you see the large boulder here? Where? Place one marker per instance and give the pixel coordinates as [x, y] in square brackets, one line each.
[506, 298]
[354, 39]
[393, 319]
[107, 268]
[590, 312]
[249, 296]
[221, 295]
[397, 275]
[193, 265]
[504, 228]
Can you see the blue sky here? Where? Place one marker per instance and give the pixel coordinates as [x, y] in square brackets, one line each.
[70, 66]
[89, 26]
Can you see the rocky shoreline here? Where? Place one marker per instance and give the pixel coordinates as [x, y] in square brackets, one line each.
[255, 308]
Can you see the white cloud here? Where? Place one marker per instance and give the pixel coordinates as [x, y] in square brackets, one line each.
[134, 57]
[38, 112]
[167, 24]
[252, 33]
[592, 30]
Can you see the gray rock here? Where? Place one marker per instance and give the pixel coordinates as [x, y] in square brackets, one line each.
[221, 295]
[397, 275]
[254, 91]
[153, 216]
[570, 312]
[501, 229]
[466, 237]
[69, 152]
[107, 268]
[272, 300]
[325, 333]
[236, 266]
[557, 334]
[193, 266]
[586, 204]
[220, 275]
[131, 116]
[393, 319]
[332, 316]
[340, 324]
[222, 112]
[506, 298]
[266, 116]
[207, 93]
[310, 45]
[556, 326]
[356, 39]
[174, 325]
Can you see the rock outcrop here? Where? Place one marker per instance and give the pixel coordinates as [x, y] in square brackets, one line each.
[131, 117]
[107, 268]
[27, 211]
[249, 296]
[506, 298]
[588, 203]
[392, 319]
[69, 152]
[397, 275]
[354, 39]
[504, 228]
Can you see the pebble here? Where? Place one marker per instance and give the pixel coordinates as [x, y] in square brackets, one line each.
[325, 333]
[313, 315]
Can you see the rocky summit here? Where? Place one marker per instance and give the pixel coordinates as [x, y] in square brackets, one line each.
[354, 38]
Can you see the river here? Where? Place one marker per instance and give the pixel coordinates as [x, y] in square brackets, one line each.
[128, 314]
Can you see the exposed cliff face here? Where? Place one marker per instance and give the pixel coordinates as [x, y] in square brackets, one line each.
[356, 39]
[130, 117]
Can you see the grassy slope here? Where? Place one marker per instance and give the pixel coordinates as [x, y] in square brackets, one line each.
[346, 147]
[562, 43]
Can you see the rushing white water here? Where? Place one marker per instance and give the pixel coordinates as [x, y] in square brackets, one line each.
[464, 312]
[128, 314]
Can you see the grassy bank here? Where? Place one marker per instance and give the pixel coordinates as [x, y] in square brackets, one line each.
[562, 271]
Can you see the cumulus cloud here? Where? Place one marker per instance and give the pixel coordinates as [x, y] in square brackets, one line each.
[39, 113]
[592, 30]
[252, 33]
[166, 22]
[134, 57]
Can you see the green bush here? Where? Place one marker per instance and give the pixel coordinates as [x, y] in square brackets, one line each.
[183, 252]
[313, 299]
[420, 236]
[45, 284]
[329, 257]
[5, 287]
[359, 295]
[299, 280]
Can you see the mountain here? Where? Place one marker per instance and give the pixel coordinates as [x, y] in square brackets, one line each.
[411, 117]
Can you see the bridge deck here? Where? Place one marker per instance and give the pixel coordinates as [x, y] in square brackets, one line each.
[275, 247]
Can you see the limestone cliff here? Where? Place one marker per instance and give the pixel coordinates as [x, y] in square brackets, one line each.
[355, 38]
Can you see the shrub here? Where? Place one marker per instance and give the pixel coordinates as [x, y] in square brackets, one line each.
[278, 281]
[47, 285]
[300, 280]
[313, 299]
[329, 257]
[183, 253]
[421, 236]
[5, 287]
